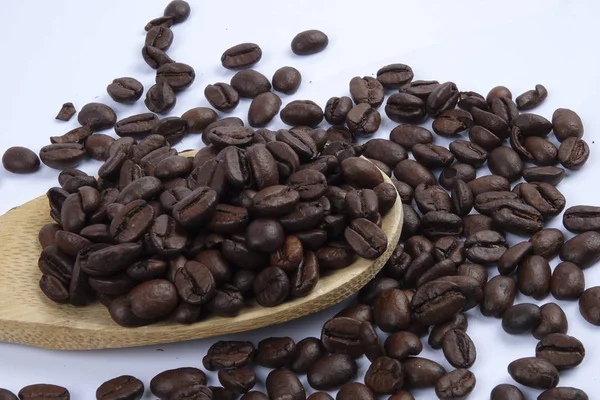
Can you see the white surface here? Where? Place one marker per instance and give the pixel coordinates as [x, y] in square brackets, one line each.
[69, 50]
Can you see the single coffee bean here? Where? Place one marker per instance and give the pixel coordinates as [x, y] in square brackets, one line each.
[506, 392]
[401, 345]
[562, 351]
[579, 219]
[302, 112]
[443, 97]
[192, 391]
[498, 295]
[582, 250]
[385, 376]
[421, 372]
[404, 107]
[391, 311]
[124, 387]
[241, 56]
[283, 384]
[353, 391]
[468, 153]
[462, 198]
[250, 83]
[467, 100]
[160, 37]
[505, 108]
[165, 21]
[484, 138]
[437, 224]
[567, 282]
[309, 42]
[548, 174]
[386, 151]
[573, 153]
[370, 342]
[554, 320]
[432, 156]
[275, 352]
[62, 156]
[408, 135]
[456, 384]
[510, 260]
[521, 318]
[543, 152]
[437, 302]
[421, 89]
[490, 121]
[518, 218]
[125, 90]
[76, 135]
[432, 198]
[505, 162]
[394, 76]
[155, 57]
[263, 108]
[54, 289]
[436, 337]
[341, 335]
[20, 160]
[532, 124]
[455, 172]
[451, 122]
[362, 203]
[222, 96]
[331, 371]
[271, 287]
[44, 391]
[308, 351]
[532, 98]
[485, 247]
[498, 92]
[418, 245]
[563, 393]
[589, 305]
[179, 10]
[566, 123]
[177, 75]
[367, 90]
[286, 80]
[237, 380]
[97, 116]
[337, 109]
[366, 238]
[534, 372]
[140, 124]
[160, 98]
[386, 195]
[413, 173]
[363, 120]
[534, 276]
[228, 354]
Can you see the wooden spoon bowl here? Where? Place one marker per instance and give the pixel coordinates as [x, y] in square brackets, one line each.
[28, 317]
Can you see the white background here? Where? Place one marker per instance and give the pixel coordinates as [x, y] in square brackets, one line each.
[69, 50]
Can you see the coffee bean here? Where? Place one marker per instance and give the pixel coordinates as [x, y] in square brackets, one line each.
[386, 151]
[237, 380]
[505, 108]
[451, 122]
[301, 143]
[165, 21]
[589, 305]
[566, 123]
[498, 92]
[563, 393]
[391, 311]
[337, 109]
[562, 351]
[567, 282]
[484, 138]
[66, 112]
[432, 156]
[160, 98]
[432, 198]
[534, 372]
[287, 80]
[421, 89]
[408, 135]
[222, 96]
[366, 90]
[468, 153]
[505, 162]
[192, 391]
[370, 342]
[263, 108]
[534, 277]
[573, 153]
[228, 354]
[124, 387]
[254, 395]
[468, 100]
[155, 57]
[394, 76]
[331, 371]
[518, 218]
[302, 112]
[352, 391]
[459, 349]
[421, 372]
[177, 75]
[554, 320]
[360, 312]
[363, 120]
[76, 135]
[443, 97]
[160, 37]
[485, 247]
[58, 156]
[271, 287]
[456, 384]
[401, 345]
[241, 56]
[532, 124]
[275, 352]
[404, 107]
[506, 392]
[542, 151]
[341, 335]
[309, 42]
[579, 219]
[492, 122]
[308, 351]
[532, 98]
[366, 238]
[436, 337]
[20, 160]
[510, 260]
[498, 295]
[437, 302]
[44, 391]
[125, 90]
[462, 198]
[250, 83]
[385, 376]
[582, 250]
[54, 289]
[437, 224]
[409, 171]
[521, 318]
[455, 172]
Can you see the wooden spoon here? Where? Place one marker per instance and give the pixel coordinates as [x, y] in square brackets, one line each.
[28, 317]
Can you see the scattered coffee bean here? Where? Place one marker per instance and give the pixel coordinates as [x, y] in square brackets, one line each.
[532, 98]
[566, 123]
[160, 98]
[20, 160]
[589, 305]
[309, 42]
[241, 56]
[534, 372]
[456, 384]
[66, 112]
[567, 282]
[286, 80]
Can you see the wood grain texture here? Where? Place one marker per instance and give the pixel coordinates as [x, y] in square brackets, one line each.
[28, 317]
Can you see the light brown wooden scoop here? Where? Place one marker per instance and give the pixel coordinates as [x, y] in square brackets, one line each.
[28, 317]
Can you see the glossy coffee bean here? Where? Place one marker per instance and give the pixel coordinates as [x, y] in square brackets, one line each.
[485, 247]
[510, 260]
[589, 305]
[401, 345]
[385, 376]
[44, 391]
[421, 372]
[437, 334]
[125, 90]
[286, 80]
[275, 352]
[437, 302]
[228, 354]
[20, 160]
[451, 122]
[160, 98]
[413, 173]
[331, 371]
[308, 351]
[563, 393]
[567, 282]
[124, 387]
[432, 156]
[160, 37]
[391, 311]
[566, 123]
[484, 138]
[237, 380]
[521, 318]
[442, 98]
[363, 120]
[505, 162]
[309, 42]
[263, 108]
[573, 153]
[498, 295]
[506, 392]
[241, 56]
[456, 384]
[302, 112]
[341, 335]
[455, 172]
[534, 372]
[554, 320]
[582, 250]
[563, 351]
[492, 122]
[367, 90]
[468, 153]
[406, 108]
[394, 76]
[408, 135]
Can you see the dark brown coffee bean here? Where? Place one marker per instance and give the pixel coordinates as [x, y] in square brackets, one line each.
[498, 92]
[222, 96]
[341, 335]
[362, 203]
[241, 56]
[432, 156]
[337, 109]
[394, 76]
[469, 99]
[66, 112]
[449, 248]
[455, 172]
[155, 57]
[505, 108]
[462, 198]
[385, 376]
[498, 295]
[456, 384]
[421, 89]
[153, 299]
[352, 391]
[228, 354]
[309, 42]
[548, 174]
[132, 221]
[566, 123]
[547, 242]
[76, 135]
[391, 311]
[401, 345]
[308, 351]
[275, 352]
[408, 135]
[534, 276]
[468, 153]
[532, 124]
[518, 218]
[532, 98]
[451, 122]
[534, 372]
[443, 97]
[413, 173]
[125, 90]
[510, 260]
[360, 312]
[123, 387]
[563, 393]
[271, 287]
[177, 75]
[302, 112]
[562, 351]
[254, 395]
[567, 282]
[490, 121]
[263, 108]
[44, 391]
[250, 83]
[54, 289]
[437, 302]
[363, 120]
[432, 198]
[582, 250]
[505, 162]
[366, 90]
[192, 391]
[62, 156]
[160, 37]
[589, 305]
[160, 98]
[404, 107]
[543, 152]
[436, 337]
[554, 320]
[237, 380]
[331, 371]
[484, 138]
[485, 247]
[386, 151]
[459, 349]
[437, 224]
[421, 372]
[573, 153]
[20, 160]
[366, 238]
[521, 318]
[300, 142]
[404, 190]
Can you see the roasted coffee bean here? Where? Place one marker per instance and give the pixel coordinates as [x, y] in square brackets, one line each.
[286, 80]
[467, 100]
[489, 202]
[173, 167]
[385, 376]
[192, 391]
[195, 283]
[462, 198]
[216, 263]
[404, 190]
[589, 305]
[309, 42]
[287, 159]
[505, 108]
[579, 219]
[160, 37]
[498, 295]
[421, 89]
[196, 207]
[451, 122]
[20, 160]
[484, 138]
[563, 393]
[413, 173]
[401, 345]
[160, 98]
[132, 221]
[386, 196]
[66, 112]
[567, 282]
[241, 56]
[554, 320]
[97, 116]
[455, 172]
[76, 135]
[432, 156]
[459, 349]
[437, 224]
[121, 312]
[337, 108]
[300, 142]
[418, 245]
[385, 151]
[61, 155]
[250, 83]
[224, 136]
[432, 198]
[532, 98]
[228, 354]
[468, 153]
[124, 387]
[404, 107]
[534, 372]
[97, 146]
[456, 384]
[179, 10]
[125, 90]
[518, 218]
[394, 76]
[437, 302]
[490, 121]
[352, 391]
[498, 92]
[165, 21]
[361, 173]
[140, 124]
[512, 257]
[408, 135]
[366, 238]
[573, 153]
[370, 342]
[302, 112]
[506, 392]
[363, 120]
[566, 123]
[44, 391]
[391, 311]
[264, 235]
[505, 162]
[331, 371]
[532, 124]
[54, 289]
[470, 287]
[283, 384]
[237, 380]
[153, 299]
[534, 276]
[177, 75]
[275, 352]
[543, 152]
[521, 318]
[436, 337]
[361, 312]
[421, 372]
[366, 90]
[362, 203]
[475, 271]
[222, 96]
[199, 118]
[443, 97]
[263, 108]
[155, 57]
[271, 287]
[308, 351]
[341, 335]
[485, 247]
[582, 250]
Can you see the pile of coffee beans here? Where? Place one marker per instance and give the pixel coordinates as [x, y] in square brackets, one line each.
[259, 214]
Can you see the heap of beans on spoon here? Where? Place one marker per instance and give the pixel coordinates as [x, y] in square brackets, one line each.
[258, 215]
